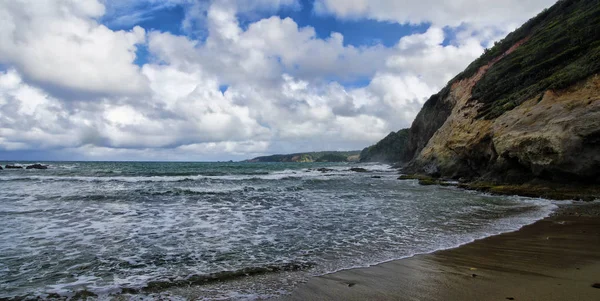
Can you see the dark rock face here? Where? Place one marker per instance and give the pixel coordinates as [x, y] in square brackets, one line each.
[431, 117]
[524, 111]
[12, 166]
[552, 138]
[389, 150]
[37, 166]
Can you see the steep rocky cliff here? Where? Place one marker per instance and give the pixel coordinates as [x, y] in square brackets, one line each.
[528, 109]
[390, 149]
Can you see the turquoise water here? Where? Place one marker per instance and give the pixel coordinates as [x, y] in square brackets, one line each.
[230, 229]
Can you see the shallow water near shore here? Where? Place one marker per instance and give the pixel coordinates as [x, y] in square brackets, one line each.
[230, 230]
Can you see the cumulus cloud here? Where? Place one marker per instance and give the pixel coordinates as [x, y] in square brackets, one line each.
[270, 86]
[508, 13]
[60, 44]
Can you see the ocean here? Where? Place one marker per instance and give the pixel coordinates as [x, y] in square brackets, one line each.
[218, 231]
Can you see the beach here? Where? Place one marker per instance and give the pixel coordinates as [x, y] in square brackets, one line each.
[557, 258]
[238, 231]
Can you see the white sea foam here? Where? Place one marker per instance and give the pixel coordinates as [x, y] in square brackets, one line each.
[108, 233]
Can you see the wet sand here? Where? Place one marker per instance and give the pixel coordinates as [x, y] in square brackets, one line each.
[557, 258]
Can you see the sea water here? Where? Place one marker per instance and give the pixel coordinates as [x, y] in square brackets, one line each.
[224, 230]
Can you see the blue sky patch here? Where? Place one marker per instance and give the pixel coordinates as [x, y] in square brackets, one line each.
[169, 18]
[356, 32]
[165, 18]
[223, 88]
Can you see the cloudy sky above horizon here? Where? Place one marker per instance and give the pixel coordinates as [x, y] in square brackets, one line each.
[193, 80]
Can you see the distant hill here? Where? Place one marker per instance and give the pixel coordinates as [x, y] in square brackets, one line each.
[349, 156]
[389, 150]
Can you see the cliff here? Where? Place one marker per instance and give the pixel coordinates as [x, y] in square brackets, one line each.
[527, 110]
[389, 150]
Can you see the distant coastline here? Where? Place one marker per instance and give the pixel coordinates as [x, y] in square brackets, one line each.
[324, 156]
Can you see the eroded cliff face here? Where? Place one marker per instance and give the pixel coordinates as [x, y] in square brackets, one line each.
[527, 109]
[556, 137]
[553, 137]
[459, 144]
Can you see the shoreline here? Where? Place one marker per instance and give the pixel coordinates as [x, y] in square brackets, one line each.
[534, 189]
[556, 258]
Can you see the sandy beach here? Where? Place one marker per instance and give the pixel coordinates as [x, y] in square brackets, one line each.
[557, 258]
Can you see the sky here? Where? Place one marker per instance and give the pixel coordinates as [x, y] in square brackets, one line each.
[208, 80]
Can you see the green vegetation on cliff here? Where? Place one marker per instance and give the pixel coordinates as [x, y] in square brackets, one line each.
[561, 46]
[527, 110]
[332, 156]
[390, 149]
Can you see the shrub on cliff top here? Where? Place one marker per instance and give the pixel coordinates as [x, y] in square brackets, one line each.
[563, 47]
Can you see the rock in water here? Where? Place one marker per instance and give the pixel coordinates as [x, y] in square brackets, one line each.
[37, 166]
[13, 166]
[358, 169]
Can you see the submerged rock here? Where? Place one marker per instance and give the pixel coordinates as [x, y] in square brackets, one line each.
[324, 169]
[358, 169]
[37, 166]
[13, 166]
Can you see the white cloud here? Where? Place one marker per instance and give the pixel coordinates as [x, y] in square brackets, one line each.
[60, 44]
[425, 56]
[283, 92]
[506, 14]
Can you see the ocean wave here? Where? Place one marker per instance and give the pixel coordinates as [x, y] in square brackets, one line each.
[149, 239]
[158, 286]
[293, 175]
[192, 191]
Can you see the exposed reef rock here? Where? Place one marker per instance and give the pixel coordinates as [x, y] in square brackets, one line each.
[13, 166]
[37, 166]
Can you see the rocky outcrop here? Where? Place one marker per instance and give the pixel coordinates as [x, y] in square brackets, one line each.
[13, 166]
[431, 117]
[555, 138]
[527, 110]
[37, 166]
